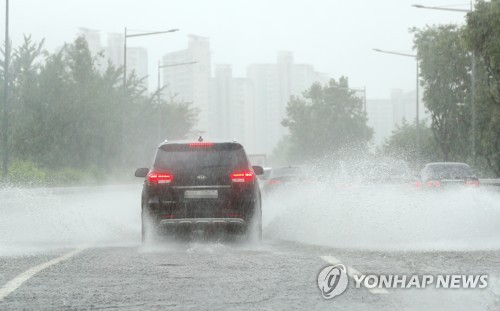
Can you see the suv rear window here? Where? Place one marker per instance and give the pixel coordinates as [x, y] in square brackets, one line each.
[184, 156]
[449, 171]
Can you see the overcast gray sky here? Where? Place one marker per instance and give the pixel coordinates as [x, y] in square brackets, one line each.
[335, 36]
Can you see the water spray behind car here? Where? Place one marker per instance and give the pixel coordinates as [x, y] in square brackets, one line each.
[376, 203]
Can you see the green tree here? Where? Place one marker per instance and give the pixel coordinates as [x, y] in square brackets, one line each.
[67, 115]
[482, 36]
[281, 153]
[26, 114]
[445, 71]
[326, 120]
[402, 144]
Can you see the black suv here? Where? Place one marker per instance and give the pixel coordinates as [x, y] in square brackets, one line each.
[200, 185]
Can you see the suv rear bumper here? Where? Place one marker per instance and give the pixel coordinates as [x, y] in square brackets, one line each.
[203, 223]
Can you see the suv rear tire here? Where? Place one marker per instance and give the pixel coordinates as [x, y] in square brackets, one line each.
[149, 229]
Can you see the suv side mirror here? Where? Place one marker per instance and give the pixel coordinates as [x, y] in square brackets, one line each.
[141, 172]
[258, 170]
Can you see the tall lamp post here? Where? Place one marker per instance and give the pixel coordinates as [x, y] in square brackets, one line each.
[417, 94]
[125, 37]
[473, 74]
[160, 66]
[5, 129]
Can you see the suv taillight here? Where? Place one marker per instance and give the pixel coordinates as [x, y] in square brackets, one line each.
[472, 183]
[246, 176]
[201, 145]
[433, 183]
[158, 178]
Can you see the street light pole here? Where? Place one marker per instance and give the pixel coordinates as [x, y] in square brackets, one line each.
[125, 58]
[473, 74]
[364, 101]
[419, 6]
[125, 37]
[5, 138]
[417, 106]
[417, 116]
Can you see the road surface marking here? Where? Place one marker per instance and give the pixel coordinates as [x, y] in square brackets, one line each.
[26, 275]
[351, 271]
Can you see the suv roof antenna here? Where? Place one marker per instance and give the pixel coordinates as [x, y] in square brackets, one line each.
[200, 139]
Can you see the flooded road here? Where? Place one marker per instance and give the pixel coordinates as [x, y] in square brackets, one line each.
[79, 248]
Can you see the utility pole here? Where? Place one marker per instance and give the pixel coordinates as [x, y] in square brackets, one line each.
[417, 105]
[5, 128]
[126, 35]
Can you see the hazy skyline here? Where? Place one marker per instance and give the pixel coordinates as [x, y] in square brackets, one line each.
[336, 37]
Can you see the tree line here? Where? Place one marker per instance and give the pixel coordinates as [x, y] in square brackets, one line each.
[67, 113]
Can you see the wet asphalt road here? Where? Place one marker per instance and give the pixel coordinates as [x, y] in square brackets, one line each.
[274, 275]
[110, 269]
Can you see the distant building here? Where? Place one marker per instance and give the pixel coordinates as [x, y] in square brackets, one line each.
[115, 48]
[380, 119]
[93, 38]
[273, 84]
[137, 57]
[231, 107]
[137, 62]
[190, 83]
[385, 114]
[404, 106]
[264, 81]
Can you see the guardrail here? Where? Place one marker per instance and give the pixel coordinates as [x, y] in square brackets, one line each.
[489, 182]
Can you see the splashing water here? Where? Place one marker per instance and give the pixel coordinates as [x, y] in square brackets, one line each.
[377, 216]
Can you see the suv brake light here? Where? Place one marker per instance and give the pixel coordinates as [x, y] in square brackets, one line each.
[433, 183]
[201, 145]
[242, 176]
[472, 183]
[158, 178]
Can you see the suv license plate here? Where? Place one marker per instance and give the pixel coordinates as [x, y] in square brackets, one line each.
[201, 194]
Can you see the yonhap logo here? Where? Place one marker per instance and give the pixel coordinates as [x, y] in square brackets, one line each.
[333, 281]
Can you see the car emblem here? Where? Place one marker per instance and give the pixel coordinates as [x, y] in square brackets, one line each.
[201, 177]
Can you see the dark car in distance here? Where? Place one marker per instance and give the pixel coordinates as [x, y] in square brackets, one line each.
[200, 186]
[286, 176]
[447, 175]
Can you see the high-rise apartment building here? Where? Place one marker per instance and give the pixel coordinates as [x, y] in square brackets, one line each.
[137, 57]
[385, 114]
[272, 85]
[190, 83]
[249, 109]
[93, 38]
[231, 107]
[115, 48]
[137, 63]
